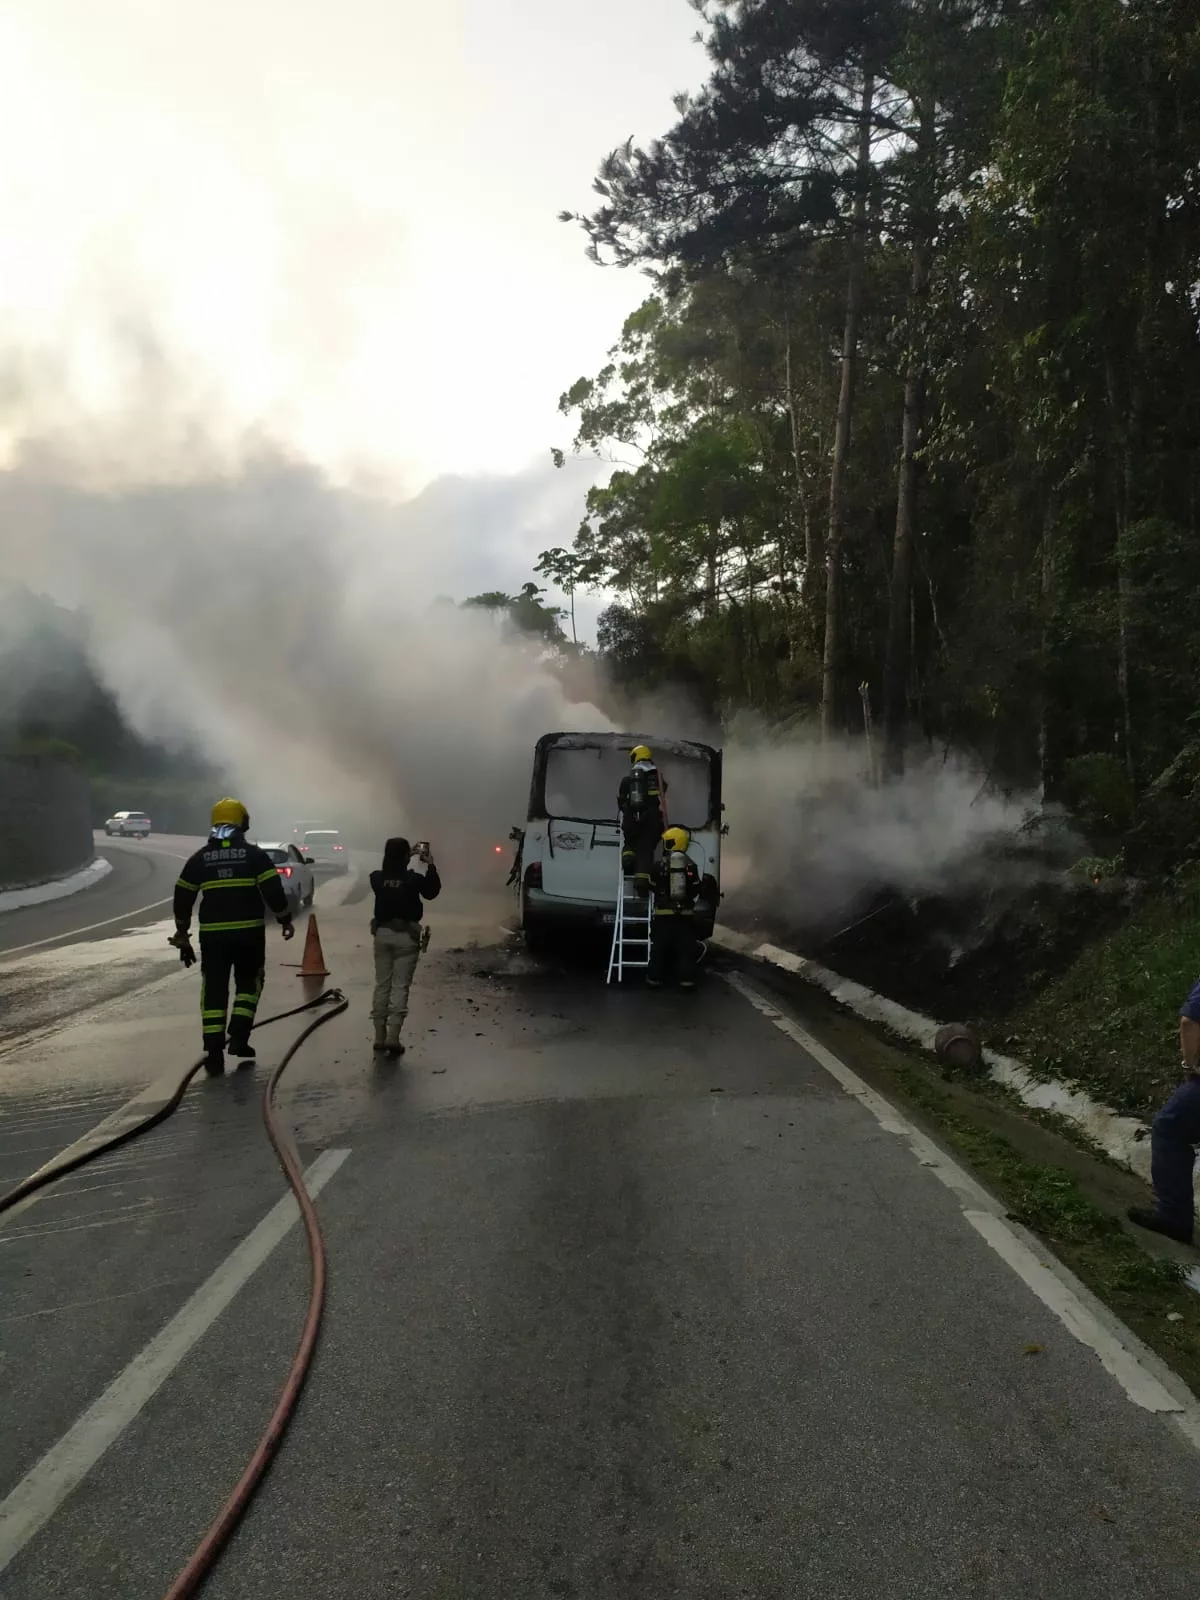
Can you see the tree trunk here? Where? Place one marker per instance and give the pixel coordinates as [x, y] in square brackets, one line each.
[1128, 512]
[899, 642]
[813, 554]
[1046, 752]
[710, 584]
[845, 418]
[1127, 406]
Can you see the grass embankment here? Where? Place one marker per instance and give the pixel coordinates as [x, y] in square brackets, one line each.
[1110, 1021]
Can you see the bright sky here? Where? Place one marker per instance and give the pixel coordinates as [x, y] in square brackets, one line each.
[336, 217]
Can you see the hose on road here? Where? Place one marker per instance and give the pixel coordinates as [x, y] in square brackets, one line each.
[60, 1169]
[203, 1559]
[205, 1555]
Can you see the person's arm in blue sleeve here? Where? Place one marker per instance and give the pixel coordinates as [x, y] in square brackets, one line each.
[1189, 1030]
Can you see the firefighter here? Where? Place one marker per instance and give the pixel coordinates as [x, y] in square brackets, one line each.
[238, 883]
[673, 930]
[640, 803]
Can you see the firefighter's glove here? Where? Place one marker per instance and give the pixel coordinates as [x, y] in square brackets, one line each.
[183, 944]
[287, 927]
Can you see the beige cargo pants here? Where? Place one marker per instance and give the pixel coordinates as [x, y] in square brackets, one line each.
[396, 951]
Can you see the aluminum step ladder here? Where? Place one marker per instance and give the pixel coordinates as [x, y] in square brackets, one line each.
[631, 930]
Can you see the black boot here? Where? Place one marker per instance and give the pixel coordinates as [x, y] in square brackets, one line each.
[214, 1061]
[243, 1049]
[1149, 1219]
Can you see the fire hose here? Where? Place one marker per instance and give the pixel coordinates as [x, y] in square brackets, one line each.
[204, 1557]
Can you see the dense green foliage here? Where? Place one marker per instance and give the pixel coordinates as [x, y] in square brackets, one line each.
[910, 426]
[526, 612]
[1109, 1020]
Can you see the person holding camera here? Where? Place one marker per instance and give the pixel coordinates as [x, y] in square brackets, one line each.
[396, 929]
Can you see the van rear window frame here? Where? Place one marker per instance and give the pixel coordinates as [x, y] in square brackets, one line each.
[684, 748]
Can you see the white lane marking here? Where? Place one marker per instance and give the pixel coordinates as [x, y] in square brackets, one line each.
[1117, 1348]
[78, 933]
[64, 1466]
[1150, 1394]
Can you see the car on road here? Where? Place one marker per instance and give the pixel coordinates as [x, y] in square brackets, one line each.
[128, 825]
[325, 847]
[296, 871]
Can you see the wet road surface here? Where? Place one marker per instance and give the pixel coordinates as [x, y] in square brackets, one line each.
[74, 955]
[63, 957]
[628, 1298]
[137, 890]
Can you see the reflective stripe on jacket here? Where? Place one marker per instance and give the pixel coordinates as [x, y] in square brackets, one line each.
[237, 884]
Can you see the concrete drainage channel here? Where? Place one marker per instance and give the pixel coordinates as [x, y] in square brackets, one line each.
[1124, 1139]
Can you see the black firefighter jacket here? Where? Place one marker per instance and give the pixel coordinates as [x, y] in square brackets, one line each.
[237, 883]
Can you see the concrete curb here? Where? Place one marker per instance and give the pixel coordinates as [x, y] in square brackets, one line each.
[1124, 1139]
[37, 894]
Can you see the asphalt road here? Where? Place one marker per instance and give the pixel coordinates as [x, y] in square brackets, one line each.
[70, 956]
[138, 889]
[629, 1298]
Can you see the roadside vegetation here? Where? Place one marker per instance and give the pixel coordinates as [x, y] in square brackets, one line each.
[905, 442]
[1110, 1020]
[905, 446]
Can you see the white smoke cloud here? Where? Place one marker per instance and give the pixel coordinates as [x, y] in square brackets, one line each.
[813, 838]
[288, 627]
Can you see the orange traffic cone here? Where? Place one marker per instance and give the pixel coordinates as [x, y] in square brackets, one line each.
[313, 964]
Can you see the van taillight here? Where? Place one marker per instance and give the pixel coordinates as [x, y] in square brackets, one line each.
[533, 875]
[285, 872]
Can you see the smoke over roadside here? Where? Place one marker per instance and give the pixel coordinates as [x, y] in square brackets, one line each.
[812, 840]
[287, 626]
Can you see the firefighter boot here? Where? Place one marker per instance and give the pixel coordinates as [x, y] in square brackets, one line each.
[240, 1046]
[214, 1061]
[392, 1043]
[380, 1036]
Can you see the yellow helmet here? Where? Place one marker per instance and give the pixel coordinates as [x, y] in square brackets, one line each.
[229, 812]
[640, 753]
[677, 838]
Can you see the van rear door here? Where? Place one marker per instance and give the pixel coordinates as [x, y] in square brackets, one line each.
[582, 859]
[583, 836]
